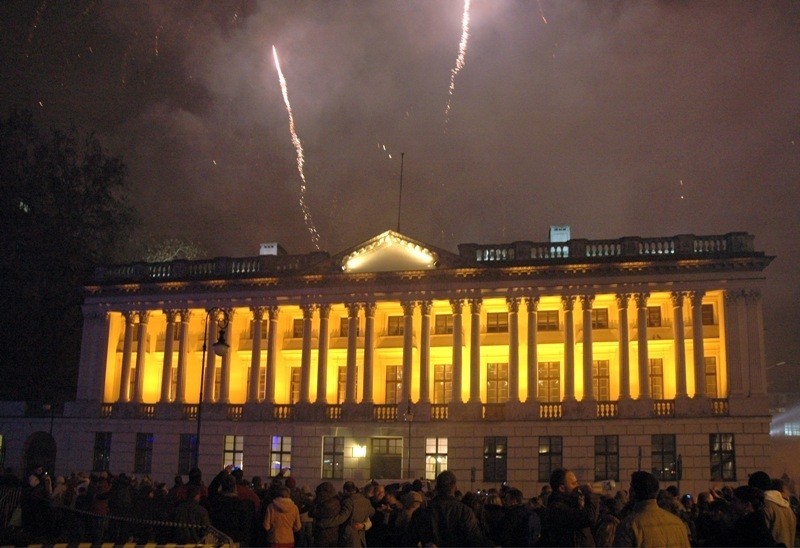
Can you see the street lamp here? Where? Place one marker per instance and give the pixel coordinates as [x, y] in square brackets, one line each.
[220, 349]
[409, 418]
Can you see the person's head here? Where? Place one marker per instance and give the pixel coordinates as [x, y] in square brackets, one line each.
[238, 475]
[778, 485]
[513, 497]
[193, 492]
[195, 476]
[747, 499]
[284, 492]
[644, 486]
[760, 480]
[446, 483]
[349, 487]
[227, 484]
[563, 481]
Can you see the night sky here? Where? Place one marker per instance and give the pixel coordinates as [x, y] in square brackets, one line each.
[617, 118]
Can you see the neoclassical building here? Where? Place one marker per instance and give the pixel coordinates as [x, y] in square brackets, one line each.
[396, 359]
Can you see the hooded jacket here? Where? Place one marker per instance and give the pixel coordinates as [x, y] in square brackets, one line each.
[780, 517]
[282, 521]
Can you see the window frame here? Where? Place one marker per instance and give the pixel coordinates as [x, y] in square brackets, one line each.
[233, 450]
[606, 457]
[435, 457]
[495, 459]
[143, 453]
[719, 455]
[550, 456]
[280, 456]
[332, 457]
[497, 322]
[548, 320]
[664, 453]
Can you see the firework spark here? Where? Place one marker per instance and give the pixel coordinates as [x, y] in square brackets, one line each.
[462, 53]
[541, 11]
[36, 20]
[300, 158]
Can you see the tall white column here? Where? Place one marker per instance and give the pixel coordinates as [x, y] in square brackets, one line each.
[127, 351]
[588, 357]
[322, 353]
[408, 348]
[513, 349]
[225, 384]
[210, 320]
[456, 305]
[255, 354]
[305, 356]
[272, 341]
[568, 303]
[141, 355]
[624, 347]
[183, 352]
[641, 334]
[533, 351]
[352, 352]
[475, 351]
[696, 299]
[166, 370]
[680, 344]
[369, 350]
[425, 352]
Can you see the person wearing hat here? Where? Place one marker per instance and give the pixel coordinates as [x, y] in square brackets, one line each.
[777, 512]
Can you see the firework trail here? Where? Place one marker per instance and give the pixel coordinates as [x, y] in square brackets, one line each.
[541, 11]
[36, 20]
[300, 159]
[462, 52]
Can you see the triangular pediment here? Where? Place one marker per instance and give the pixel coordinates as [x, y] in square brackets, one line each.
[389, 252]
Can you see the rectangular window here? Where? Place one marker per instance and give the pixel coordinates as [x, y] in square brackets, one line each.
[386, 458]
[341, 387]
[344, 327]
[722, 452]
[549, 382]
[294, 386]
[601, 380]
[442, 383]
[101, 456]
[664, 456]
[497, 322]
[143, 453]
[599, 318]
[711, 376]
[656, 378]
[606, 458]
[262, 383]
[550, 456]
[217, 382]
[707, 311]
[435, 457]
[547, 320]
[495, 458]
[496, 382]
[394, 326]
[173, 383]
[280, 456]
[394, 383]
[264, 328]
[332, 457]
[233, 452]
[187, 449]
[298, 327]
[443, 324]
[132, 383]
[653, 316]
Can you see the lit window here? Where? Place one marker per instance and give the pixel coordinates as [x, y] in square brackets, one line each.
[496, 383]
[549, 382]
[443, 324]
[656, 378]
[497, 322]
[599, 318]
[601, 380]
[791, 429]
[233, 451]
[394, 383]
[281, 456]
[435, 457]
[442, 383]
[344, 327]
[722, 453]
[711, 376]
[297, 328]
[333, 457]
[395, 326]
[547, 320]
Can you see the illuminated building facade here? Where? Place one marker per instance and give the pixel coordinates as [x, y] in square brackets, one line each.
[396, 359]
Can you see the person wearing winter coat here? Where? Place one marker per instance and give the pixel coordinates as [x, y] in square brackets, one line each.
[282, 520]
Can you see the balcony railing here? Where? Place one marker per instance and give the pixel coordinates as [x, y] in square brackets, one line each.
[607, 409]
[282, 412]
[385, 412]
[333, 412]
[664, 408]
[146, 410]
[494, 411]
[235, 412]
[190, 411]
[550, 410]
[719, 406]
[439, 411]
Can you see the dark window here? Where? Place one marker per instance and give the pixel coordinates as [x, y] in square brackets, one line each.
[547, 320]
[722, 451]
[711, 376]
[344, 327]
[664, 457]
[599, 318]
[143, 454]
[550, 455]
[708, 314]
[653, 316]
[101, 456]
[443, 324]
[297, 328]
[294, 386]
[333, 457]
[497, 322]
[657, 378]
[386, 458]
[395, 326]
[187, 445]
[495, 458]
[341, 387]
[606, 458]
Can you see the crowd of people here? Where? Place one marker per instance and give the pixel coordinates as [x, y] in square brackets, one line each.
[103, 508]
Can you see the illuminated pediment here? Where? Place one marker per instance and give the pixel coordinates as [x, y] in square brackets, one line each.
[389, 252]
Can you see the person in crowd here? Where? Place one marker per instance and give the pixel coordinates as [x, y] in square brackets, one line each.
[750, 528]
[329, 513]
[354, 533]
[492, 518]
[282, 520]
[229, 513]
[445, 521]
[192, 517]
[180, 492]
[571, 512]
[607, 523]
[647, 524]
[777, 512]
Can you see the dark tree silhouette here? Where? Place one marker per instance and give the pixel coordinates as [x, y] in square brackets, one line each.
[63, 212]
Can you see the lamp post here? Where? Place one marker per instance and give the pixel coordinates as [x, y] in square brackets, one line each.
[220, 348]
[409, 418]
